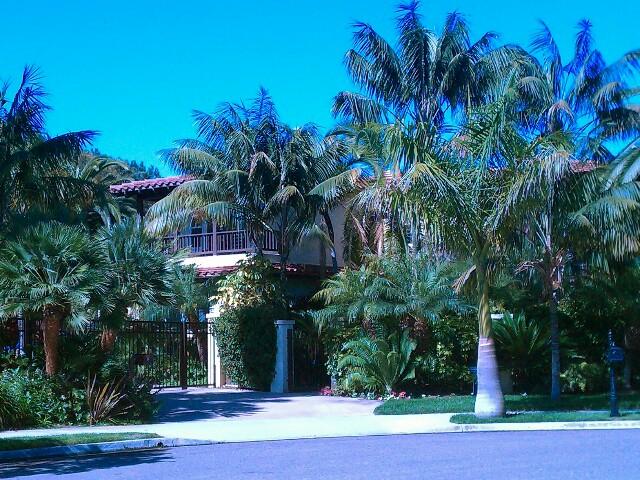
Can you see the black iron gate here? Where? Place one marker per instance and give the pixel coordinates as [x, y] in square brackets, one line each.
[170, 354]
[167, 354]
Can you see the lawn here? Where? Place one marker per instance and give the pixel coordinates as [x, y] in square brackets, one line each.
[19, 443]
[465, 404]
[528, 417]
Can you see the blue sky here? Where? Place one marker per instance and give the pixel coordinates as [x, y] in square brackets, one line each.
[134, 70]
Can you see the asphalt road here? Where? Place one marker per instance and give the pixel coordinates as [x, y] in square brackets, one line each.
[528, 455]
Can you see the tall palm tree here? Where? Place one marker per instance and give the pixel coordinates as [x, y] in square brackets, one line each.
[249, 169]
[140, 273]
[564, 203]
[585, 96]
[34, 165]
[55, 271]
[399, 121]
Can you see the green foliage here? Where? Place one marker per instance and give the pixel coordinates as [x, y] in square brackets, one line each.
[34, 166]
[40, 401]
[379, 365]
[105, 401]
[522, 346]
[254, 281]
[247, 344]
[445, 357]
[52, 266]
[585, 377]
[393, 292]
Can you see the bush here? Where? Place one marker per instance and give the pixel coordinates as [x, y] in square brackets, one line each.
[444, 360]
[585, 377]
[247, 342]
[40, 401]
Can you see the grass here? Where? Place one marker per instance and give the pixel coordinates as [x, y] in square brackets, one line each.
[529, 417]
[19, 443]
[519, 403]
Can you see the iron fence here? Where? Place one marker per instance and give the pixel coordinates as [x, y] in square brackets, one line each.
[166, 353]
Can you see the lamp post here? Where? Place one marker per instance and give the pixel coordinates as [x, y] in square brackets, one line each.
[614, 355]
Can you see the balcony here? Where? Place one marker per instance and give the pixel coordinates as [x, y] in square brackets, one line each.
[217, 243]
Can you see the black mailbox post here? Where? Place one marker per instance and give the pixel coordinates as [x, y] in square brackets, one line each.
[615, 355]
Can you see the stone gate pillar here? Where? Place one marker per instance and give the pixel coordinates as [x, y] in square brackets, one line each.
[284, 356]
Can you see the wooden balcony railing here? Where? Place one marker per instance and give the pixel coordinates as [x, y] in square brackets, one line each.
[218, 243]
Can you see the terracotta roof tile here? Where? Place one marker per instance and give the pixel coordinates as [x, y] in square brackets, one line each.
[149, 184]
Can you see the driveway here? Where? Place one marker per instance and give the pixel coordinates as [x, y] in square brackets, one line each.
[211, 404]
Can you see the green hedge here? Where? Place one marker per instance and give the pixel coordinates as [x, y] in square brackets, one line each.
[247, 341]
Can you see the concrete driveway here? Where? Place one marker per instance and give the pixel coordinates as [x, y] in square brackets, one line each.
[210, 404]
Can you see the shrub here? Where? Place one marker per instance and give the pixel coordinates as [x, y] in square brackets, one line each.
[585, 377]
[379, 365]
[44, 401]
[247, 342]
[443, 361]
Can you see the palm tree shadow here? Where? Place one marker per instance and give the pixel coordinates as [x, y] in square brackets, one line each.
[66, 466]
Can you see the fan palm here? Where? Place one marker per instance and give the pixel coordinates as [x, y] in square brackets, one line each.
[55, 271]
[139, 274]
[33, 165]
[379, 364]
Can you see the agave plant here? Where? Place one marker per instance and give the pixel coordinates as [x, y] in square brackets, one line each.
[379, 364]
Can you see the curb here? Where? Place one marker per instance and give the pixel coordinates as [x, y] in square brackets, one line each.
[97, 448]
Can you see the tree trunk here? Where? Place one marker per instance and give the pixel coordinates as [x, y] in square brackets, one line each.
[555, 345]
[108, 339]
[489, 399]
[201, 338]
[51, 323]
[332, 237]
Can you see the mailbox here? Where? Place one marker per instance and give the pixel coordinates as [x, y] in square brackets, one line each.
[615, 355]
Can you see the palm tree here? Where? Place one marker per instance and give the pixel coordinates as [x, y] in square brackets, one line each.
[250, 170]
[56, 271]
[379, 364]
[399, 121]
[584, 96]
[190, 298]
[140, 273]
[388, 293]
[33, 165]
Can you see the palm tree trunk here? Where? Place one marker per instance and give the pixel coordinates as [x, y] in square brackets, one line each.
[51, 323]
[489, 399]
[332, 237]
[201, 337]
[555, 345]
[108, 339]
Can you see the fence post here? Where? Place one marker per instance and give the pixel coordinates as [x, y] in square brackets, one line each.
[183, 355]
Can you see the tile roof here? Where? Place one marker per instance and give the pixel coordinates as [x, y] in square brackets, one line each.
[149, 184]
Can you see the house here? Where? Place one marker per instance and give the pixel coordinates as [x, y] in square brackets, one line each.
[216, 249]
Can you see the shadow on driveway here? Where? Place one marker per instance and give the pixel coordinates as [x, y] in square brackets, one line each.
[207, 404]
[95, 463]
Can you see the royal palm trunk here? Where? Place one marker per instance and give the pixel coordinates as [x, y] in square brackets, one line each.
[51, 323]
[555, 346]
[489, 399]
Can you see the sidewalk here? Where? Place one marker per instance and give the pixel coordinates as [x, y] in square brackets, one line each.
[236, 416]
[248, 430]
